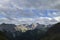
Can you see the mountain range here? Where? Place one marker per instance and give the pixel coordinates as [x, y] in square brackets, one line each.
[22, 27]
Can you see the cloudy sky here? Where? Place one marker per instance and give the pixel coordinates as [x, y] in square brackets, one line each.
[29, 11]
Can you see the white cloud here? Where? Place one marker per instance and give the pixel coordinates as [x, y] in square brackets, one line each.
[15, 18]
[45, 20]
[57, 18]
[4, 1]
[54, 14]
[41, 20]
[40, 4]
[13, 9]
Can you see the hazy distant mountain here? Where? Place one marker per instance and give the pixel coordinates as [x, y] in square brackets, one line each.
[7, 27]
[22, 27]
